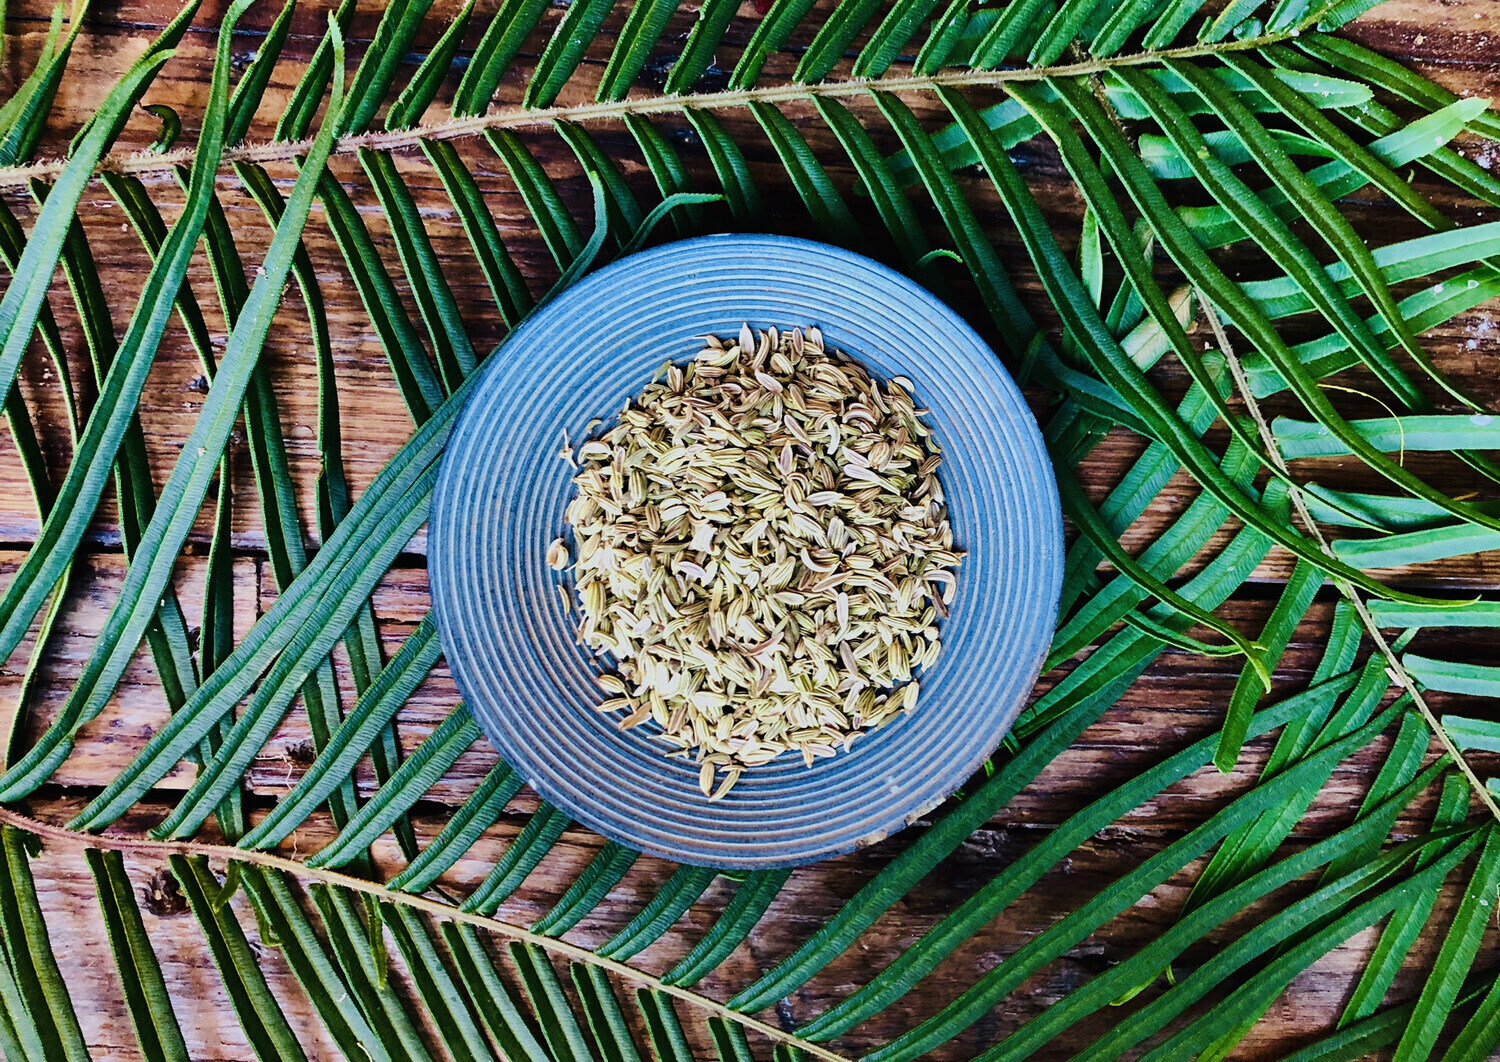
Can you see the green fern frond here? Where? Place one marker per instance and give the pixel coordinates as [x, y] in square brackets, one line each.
[1204, 144]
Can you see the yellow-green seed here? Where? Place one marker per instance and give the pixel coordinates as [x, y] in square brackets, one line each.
[761, 544]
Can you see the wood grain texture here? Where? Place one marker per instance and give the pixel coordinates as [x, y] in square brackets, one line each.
[1179, 700]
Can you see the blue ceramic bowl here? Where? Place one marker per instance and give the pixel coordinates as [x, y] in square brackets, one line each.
[502, 490]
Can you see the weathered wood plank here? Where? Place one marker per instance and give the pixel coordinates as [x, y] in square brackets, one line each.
[1178, 701]
[138, 706]
[812, 895]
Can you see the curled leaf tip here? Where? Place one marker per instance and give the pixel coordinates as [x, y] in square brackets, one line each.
[171, 127]
[936, 253]
[1257, 661]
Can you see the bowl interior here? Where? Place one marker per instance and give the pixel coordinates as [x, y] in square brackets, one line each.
[503, 488]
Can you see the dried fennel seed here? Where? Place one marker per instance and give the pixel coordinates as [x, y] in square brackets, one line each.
[764, 548]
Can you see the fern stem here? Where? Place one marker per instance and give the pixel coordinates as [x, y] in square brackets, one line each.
[144, 162]
[227, 854]
[1394, 668]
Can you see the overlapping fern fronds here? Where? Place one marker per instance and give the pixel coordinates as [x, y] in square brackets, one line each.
[1189, 135]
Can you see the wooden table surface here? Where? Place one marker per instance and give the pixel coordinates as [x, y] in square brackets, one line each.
[1180, 699]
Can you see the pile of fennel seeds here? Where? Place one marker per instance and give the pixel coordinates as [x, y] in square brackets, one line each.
[764, 548]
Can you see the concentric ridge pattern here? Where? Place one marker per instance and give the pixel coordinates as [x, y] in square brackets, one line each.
[502, 491]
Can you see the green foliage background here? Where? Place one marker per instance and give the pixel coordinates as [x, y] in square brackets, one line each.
[1189, 133]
